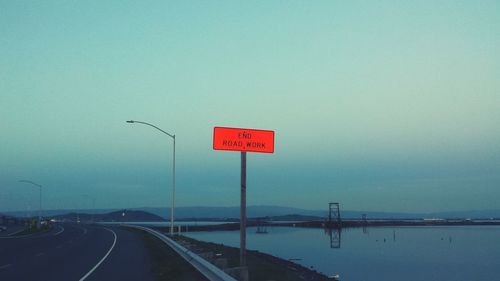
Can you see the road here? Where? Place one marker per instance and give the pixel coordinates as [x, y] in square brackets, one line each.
[11, 230]
[75, 252]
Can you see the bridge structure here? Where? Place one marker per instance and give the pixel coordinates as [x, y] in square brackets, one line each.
[334, 224]
[334, 219]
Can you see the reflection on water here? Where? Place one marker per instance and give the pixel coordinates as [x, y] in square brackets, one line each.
[335, 236]
[381, 253]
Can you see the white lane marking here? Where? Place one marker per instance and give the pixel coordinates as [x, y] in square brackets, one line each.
[39, 254]
[20, 236]
[35, 235]
[105, 256]
[14, 233]
[5, 266]
[60, 231]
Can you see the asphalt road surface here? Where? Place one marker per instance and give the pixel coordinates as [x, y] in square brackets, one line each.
[75, 252]
[11, 230]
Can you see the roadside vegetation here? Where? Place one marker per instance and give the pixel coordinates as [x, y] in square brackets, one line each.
[33, 230]
[167, 264]
[261, 266]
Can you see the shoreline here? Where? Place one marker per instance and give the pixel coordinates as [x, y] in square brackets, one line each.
[325, 225]
[260, 265]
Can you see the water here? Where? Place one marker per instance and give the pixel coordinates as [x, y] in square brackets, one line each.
[452, 253]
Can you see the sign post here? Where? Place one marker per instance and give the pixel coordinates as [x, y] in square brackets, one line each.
[243, 210]
[243, 140]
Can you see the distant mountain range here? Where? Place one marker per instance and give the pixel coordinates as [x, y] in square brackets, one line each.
[273, 211]
[116, 216]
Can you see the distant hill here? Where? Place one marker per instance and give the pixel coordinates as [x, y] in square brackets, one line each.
[274, 211]
[294, 217]
[118, 216]
[231, 213]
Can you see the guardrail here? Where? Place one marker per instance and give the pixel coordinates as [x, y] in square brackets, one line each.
[209, 270]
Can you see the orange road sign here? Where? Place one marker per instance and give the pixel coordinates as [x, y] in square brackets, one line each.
[244, 140]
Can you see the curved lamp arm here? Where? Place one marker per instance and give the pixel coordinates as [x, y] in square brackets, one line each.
[145, 123]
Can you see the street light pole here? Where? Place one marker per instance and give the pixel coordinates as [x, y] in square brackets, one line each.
[173, 172]
[93, 206]
[173, 193]
[40, 209]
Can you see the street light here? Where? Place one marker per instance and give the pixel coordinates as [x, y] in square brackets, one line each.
[173, 172]
[93, 206]
[40, 210]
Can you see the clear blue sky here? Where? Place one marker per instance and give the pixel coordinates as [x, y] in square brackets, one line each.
[379, 105]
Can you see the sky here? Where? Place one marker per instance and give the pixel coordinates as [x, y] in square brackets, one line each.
[378, 105]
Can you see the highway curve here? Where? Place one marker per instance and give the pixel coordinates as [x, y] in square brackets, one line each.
[75, 252]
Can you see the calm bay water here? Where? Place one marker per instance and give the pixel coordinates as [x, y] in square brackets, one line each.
[452, 253]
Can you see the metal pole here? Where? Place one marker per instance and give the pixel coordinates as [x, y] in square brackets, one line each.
[173, 194]
[243, 209]
[93, 210]
[173, 171]
[40, 210]
[330, 214]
